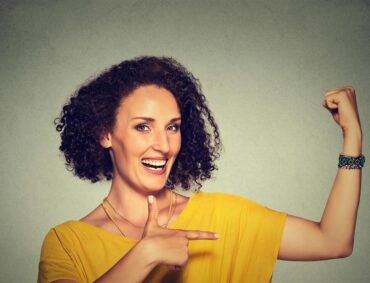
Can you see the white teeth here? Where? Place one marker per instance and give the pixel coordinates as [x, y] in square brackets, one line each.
[154, 162]
[155, 169]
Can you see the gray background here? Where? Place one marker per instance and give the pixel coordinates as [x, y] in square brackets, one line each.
[264, 66]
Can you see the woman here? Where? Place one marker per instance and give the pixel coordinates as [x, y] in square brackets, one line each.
[144, 124]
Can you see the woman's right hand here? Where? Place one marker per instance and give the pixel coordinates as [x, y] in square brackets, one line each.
[168, 246]
[158, 245]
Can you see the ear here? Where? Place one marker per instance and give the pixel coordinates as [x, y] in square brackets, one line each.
[106, 140]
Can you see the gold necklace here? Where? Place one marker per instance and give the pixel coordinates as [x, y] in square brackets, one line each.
[111, 218]
[170, 210]
[170, 214]
[119, 214]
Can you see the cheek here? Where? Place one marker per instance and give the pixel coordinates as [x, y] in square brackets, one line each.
[136, 146]
[128, 146]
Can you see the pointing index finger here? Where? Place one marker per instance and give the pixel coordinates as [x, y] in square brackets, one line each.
[201, 235]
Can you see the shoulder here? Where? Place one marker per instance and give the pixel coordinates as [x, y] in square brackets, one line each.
[93, 218]
[235, 206]
[64, 227]
[66, 232]
[96, 218]
[69, 226]
[225, 200]
[57, 242]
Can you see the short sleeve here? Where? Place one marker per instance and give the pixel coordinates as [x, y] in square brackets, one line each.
[272, 228]
[261, 237]
[55, 263]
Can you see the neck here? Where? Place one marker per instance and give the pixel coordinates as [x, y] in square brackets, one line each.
[132, 203]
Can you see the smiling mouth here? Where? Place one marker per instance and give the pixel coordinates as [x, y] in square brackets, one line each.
[157, 165]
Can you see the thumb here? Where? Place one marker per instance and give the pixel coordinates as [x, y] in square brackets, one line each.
[152, 211]
[331, 106]
[331, 102]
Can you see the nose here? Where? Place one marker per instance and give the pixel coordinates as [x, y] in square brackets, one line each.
[161, 142]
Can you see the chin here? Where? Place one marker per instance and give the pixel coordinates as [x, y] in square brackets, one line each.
[153, 187]
[154, 181]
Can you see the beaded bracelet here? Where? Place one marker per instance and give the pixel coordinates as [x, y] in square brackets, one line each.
[351, 162]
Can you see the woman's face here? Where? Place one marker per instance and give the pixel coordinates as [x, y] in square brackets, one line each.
[146, 139]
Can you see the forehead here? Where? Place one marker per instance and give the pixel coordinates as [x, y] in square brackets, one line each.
[149, 100]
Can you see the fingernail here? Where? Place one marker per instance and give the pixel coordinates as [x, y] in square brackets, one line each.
[217, 236]
[150, 199]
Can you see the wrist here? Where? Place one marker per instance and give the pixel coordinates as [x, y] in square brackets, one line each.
[149, 257]
[354, 131]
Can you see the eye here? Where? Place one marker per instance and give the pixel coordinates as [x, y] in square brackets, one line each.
[142, 128]
[174, 127]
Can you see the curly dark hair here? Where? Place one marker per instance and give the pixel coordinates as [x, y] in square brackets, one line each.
[92, 109]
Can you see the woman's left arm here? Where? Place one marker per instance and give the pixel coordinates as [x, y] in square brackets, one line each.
[333, 236]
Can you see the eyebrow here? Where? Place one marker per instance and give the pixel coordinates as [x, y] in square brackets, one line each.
[149, 119]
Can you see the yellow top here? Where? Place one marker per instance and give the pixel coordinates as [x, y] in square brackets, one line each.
[250, 237]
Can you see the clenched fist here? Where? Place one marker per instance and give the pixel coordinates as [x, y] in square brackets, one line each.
[341, 102]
